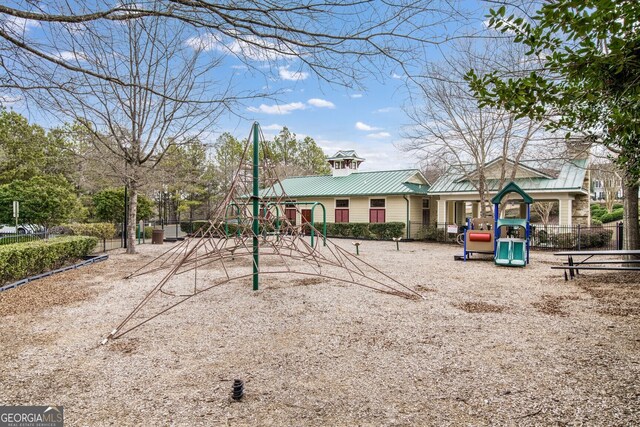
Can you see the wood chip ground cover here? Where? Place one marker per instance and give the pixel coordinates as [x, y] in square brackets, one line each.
[484, 347]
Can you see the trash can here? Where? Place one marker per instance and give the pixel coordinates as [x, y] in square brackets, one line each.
[157, 237]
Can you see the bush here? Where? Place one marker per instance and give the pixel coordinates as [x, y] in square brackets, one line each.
[596, 222]
[101, 230]
[190, 227]
[589, 238]
[148, 232]
[616, 215]
[26, 259]
[363, 230]
[387, 231]
[595, 238]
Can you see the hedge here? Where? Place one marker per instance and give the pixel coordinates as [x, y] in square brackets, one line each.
[360, 230]
[363, 230]
[101, 230]
[26, 259]
[192, 226]
[593, 238]
[616, 215]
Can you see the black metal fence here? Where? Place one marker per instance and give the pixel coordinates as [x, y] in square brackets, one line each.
[171, 231]
[543, 237]
[9, 238]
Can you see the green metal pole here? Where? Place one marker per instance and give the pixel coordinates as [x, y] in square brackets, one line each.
[256, 208]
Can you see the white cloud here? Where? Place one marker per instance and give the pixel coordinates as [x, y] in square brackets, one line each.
[17, 25]
[378, 155]
[384, 110]
[71, 56]
[9, 100]
[379, 135]
[272, 127]
[356, 95]
[365, 127]
[396, 76]
[285, 74]
[251, 47]
[321, 103]
[278, 109]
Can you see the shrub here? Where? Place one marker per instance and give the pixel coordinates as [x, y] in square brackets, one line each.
[148, 232]
[101, 230]
[190, 227]
[363, 230]
[616, 206]
[595, 238]
[26, 259]
[387, 231]
[616, 215]
[589, 238]
[563, 240]
[596, 222]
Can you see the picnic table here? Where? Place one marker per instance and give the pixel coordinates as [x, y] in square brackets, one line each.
[595, 260]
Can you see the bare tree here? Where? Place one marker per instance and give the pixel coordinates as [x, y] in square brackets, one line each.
[162, 102]
[608, 174]
[543, 209]
[448, 126]
[339, 41]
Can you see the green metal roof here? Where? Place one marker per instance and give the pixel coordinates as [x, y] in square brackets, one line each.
[570, 176]
[356, 184]
[345, 154]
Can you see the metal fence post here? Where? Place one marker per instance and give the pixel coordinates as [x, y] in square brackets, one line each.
[578, 236]
[620, 235]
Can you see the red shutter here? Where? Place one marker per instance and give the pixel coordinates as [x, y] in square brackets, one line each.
[376, 215]
[342, 215]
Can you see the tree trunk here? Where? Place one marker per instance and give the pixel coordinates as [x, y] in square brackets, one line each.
[631, 239]
[131, 218]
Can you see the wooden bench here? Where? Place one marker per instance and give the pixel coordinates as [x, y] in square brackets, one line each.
[588, 261]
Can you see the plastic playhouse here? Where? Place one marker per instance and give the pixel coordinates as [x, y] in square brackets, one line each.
[507, 239]
[479, 237]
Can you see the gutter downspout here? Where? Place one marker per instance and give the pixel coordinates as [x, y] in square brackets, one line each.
[408, 223]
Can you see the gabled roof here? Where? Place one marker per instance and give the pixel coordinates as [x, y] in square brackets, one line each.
[345, 154]
[494, 168]
[398, 182]
[511, 187]
[568, 176]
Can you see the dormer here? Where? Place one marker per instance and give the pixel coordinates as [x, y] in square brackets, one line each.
[344, 162]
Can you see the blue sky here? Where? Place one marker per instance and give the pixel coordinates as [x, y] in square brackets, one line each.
[369, 120]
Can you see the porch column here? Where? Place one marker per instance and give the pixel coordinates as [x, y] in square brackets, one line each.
[564, 214]
[442, 212]
[475, 208]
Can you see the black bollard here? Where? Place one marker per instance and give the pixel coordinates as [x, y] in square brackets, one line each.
[238, 390]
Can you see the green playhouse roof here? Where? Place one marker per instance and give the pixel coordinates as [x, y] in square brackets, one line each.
[564, 176]
[511, 187]
[357, 184]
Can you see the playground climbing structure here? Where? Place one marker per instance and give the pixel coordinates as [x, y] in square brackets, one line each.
[246, 239]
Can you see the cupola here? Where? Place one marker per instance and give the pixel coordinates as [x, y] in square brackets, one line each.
[344, 162]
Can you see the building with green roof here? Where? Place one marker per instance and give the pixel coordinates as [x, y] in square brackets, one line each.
[406, 196]
[350, 195]
[562, 181]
